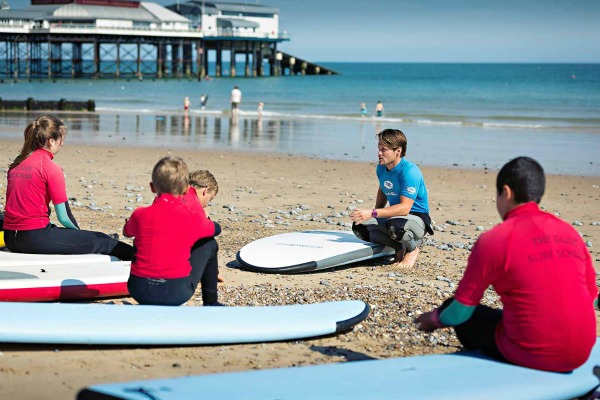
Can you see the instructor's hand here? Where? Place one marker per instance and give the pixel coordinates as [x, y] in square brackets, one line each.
[359, 215]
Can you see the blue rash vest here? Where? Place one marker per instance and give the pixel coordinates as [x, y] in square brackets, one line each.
[405, 179]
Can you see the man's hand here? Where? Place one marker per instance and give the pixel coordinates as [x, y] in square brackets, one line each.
[359, 215]
[425, 322]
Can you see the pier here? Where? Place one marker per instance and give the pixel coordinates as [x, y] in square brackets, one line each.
[131, 39]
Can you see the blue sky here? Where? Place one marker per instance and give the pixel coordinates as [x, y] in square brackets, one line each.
[437, 30]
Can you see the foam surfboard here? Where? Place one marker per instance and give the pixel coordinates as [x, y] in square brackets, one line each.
[71, 281]
[8, 259]
[448, 376]
[307, 251]
[110, 324]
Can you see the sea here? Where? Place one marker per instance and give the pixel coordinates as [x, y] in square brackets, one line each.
[455, 115]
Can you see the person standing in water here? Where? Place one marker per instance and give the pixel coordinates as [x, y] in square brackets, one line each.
[379, 109]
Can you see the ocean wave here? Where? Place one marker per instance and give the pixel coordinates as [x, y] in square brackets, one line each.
[512, 126]
[430, 122]
[492, 122]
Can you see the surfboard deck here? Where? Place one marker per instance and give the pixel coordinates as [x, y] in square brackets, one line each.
[449, 376]
[306, 251]
[8, 259]
[110, 324]
[71, 281]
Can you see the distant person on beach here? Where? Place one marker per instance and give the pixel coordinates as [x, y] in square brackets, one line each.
[543, 274]
[403, 224]
[174, 241]
[34, 180]
[379, 109]
[186, 104]
[236, 99]
[260, 108]
[363, 110]
[205, 186]
[203, 100]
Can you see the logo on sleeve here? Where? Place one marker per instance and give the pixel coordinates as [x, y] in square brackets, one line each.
[388, 184]
[411, 190]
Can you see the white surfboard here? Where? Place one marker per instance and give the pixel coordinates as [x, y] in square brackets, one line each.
[307, 251]
[450, 376]
[53, 281]
[110, 324]
[8, 259]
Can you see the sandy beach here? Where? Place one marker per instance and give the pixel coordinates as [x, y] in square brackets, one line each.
[257, 193]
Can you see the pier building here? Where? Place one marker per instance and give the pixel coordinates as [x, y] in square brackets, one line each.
[129, 38]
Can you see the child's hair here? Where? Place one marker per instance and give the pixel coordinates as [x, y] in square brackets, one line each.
[37, 133]
[394, 139]
[204, 179]
[170, 175]
[525, 177]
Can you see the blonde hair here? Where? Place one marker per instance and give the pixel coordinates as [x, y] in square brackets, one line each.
[37, 133]
[202, 178]
[170, 175]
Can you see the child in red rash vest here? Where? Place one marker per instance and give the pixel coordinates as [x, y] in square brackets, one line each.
[205, 186]
[35, 180]
[174, 241]
[543, 273]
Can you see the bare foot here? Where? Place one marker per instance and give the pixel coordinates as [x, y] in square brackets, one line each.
[220, 278]
[409, 260]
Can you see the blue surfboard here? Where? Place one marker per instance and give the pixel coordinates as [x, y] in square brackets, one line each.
[111, 324]
[466, 375]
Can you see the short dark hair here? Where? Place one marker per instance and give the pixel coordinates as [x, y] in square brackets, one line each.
[525, 177]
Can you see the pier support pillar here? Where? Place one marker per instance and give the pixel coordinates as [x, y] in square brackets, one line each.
[219, 60]
[138, 69]
[187, 59]
[57, 59]
[232, 71]
[254, 59]
[202, 57]
[247, 63]
[118, 60]
[16, 60]
[76, 61]
[96, 59]
[261, 56]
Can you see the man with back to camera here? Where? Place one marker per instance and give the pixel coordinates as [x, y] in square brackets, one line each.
[403, 224]
[543, 273]
[236, 99]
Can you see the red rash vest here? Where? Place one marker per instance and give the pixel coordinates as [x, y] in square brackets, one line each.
[543, 272]
[165, 233]
[32, 184]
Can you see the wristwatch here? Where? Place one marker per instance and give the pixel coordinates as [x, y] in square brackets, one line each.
[374, 213]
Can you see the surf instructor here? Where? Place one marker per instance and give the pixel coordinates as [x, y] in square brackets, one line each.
[403, 224]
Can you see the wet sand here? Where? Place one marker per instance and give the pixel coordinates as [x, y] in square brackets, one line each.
[106, 183]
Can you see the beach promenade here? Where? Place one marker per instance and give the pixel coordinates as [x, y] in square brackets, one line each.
[257, 193]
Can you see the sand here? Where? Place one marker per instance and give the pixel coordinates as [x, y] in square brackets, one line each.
[255, 189]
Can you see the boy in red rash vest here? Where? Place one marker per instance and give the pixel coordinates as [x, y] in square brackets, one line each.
[203, 184]
[174, 241]
[543, 273]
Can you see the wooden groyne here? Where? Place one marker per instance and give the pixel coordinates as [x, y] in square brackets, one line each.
[35, 105]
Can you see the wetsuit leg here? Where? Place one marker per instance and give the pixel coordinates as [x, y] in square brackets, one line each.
[205, 268]
[161, 292]
[55, 240]
[408, 230]
[374, 230]
[479, 331]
